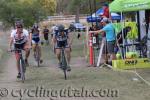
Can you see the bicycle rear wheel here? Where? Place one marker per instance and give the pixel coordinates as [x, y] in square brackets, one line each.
[22, 70]
[64, 64]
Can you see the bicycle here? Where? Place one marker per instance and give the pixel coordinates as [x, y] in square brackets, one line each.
[63, 62]
[22, 65]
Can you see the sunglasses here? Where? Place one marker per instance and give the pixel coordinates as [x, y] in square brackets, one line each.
[19, 27]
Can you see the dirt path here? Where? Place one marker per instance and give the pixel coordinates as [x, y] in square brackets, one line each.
[45, 75]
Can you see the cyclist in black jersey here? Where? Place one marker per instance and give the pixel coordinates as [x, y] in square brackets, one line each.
[62, 38]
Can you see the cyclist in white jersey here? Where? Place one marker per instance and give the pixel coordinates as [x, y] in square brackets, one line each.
[20, 39]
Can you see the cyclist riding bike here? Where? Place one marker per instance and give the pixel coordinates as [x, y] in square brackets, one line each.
[62, 38]
[35, 36]
[20, 39]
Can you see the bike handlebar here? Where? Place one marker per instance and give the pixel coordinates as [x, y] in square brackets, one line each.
[13, 50]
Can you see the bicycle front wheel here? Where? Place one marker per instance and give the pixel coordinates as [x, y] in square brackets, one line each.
[64, 64]
[22, 70]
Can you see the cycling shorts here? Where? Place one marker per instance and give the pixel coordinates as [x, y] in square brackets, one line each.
[35, 40]
[19, 46]
[61, 44]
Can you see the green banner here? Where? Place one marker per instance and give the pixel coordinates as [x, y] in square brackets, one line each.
[129, 5]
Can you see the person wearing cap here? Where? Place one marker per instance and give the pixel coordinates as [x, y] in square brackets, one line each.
[20, 39]
[110, 36]
[62, 38]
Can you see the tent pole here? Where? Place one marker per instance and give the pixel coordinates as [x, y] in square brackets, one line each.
[138, 24]
[147, 15]
[123, 38]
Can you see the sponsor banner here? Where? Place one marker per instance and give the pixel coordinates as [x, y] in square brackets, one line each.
[131, 63]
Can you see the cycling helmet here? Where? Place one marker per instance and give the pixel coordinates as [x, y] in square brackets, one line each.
[35, 26]
[18, 24]
[61, 28]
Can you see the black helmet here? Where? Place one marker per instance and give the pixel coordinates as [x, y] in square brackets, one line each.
[18, 24]
[61, 28]
[35, 26]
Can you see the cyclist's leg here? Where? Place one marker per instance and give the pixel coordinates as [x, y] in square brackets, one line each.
[40, 52]
[27, 52]
[18, 46]
[58, 54]
[18, 64]
[33, 45]
[17, 61]
[68, 53]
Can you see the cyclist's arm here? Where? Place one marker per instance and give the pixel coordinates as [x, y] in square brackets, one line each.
[11, 39]
[10, 42]
[40, 33]
[30, 36]
[29, 41]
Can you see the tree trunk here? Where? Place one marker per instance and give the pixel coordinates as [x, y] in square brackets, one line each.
[77, 15]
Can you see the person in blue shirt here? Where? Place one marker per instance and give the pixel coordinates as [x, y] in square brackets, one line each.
[109, 30]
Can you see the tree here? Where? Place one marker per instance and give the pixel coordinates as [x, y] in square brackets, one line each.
[30, 11]
[83, 6]
[75, 7]
[49, 6]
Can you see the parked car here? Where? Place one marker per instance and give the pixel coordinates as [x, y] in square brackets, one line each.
[77, 27]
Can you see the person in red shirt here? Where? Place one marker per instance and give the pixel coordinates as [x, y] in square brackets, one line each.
[105, 11]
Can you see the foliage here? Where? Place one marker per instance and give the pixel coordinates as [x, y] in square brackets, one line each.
[70, 6]
[30, 11]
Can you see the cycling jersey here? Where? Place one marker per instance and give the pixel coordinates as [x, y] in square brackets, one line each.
[61, 36]
[35, 36]
[61, 39]
[46, 31]
[20, 38]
